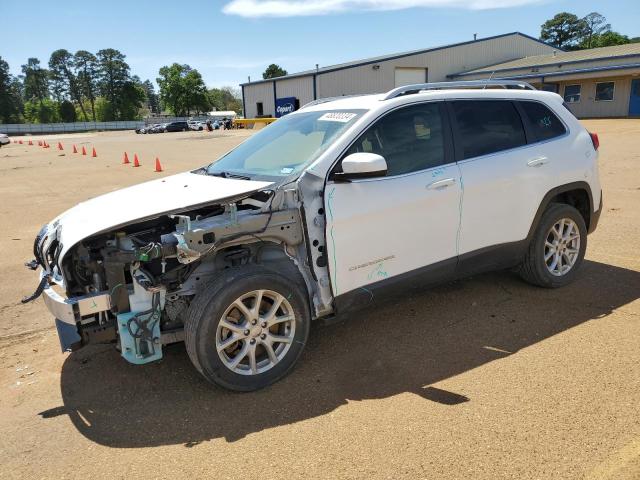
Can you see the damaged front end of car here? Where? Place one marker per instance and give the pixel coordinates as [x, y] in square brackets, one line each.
[131, 285]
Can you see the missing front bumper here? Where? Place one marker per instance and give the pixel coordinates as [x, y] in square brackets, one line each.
[69, 311]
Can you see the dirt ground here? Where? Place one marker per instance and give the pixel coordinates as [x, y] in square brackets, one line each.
[485, 378]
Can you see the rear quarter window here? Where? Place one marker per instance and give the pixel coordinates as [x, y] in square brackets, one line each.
[544, 123]
[487, 126]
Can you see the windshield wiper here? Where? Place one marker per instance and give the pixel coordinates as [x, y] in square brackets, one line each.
[230, 175]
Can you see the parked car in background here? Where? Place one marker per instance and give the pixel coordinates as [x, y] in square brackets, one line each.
[196, 125]
[176, 127]
[4, 139]
[158, 128]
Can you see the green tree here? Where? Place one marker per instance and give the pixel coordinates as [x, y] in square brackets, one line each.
[86, 65]
[41, 111]
[226, 98]
[274, 71]
[67, 111]
[608, 39]
[594, 25]
[36, 81]
[61, 71]
[563, 31]
[124, 98]
[197, 98]
[172, 87]
[131, 100]
[182, 90]
[153, 103]
[10, 98]
[103, 109]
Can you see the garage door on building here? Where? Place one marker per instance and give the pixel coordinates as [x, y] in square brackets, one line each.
[408, 76]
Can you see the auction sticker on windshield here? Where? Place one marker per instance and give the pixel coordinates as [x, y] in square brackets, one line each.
[343, 117]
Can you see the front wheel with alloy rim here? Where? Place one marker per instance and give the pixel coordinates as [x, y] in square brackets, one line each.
[557, 248]
[248, 328]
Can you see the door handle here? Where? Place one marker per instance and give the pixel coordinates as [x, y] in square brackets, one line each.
[537, 162]
[439, 184]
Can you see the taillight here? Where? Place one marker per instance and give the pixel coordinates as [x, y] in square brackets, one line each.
[595, 140]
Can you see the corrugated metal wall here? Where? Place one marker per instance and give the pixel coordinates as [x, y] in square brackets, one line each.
[259, 92]
[301, 88]
[440, 63]
[587, 107]
[366, 79]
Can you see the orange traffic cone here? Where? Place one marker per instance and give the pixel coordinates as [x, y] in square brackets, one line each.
[30, 142]
[46, 145]
[94, 154]
[136, 163]
[125, 159]
[20, 142]
[60, 146]
[84, 150]
[39, 143]
[75, 150]
[158, 166]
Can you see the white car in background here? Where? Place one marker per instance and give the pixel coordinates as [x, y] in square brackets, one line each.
[4, 139]
[324, 211]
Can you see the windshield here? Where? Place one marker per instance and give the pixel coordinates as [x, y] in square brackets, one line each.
[286, 146]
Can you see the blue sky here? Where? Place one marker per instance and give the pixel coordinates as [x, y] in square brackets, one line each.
[228, 40]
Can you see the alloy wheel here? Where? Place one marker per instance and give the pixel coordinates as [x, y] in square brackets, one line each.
[562, 247]
[255, 332]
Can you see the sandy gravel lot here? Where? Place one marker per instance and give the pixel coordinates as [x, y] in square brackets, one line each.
[485, 378]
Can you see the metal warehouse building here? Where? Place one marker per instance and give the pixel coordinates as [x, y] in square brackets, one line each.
[275, 97]
[600, 82]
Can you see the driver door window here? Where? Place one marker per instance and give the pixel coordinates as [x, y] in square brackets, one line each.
[410, 139]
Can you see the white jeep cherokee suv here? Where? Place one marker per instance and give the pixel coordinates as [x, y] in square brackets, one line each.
[317, 214]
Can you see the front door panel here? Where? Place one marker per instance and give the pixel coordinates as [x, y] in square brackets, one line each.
[381, 228]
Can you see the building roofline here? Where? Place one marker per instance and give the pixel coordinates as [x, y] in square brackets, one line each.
[484, 70]
[543, 75]
[392, 56]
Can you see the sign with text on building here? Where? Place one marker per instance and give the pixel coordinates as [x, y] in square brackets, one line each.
[285, 105]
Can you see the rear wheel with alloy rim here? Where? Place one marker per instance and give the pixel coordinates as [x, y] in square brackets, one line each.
[557, 248]
[248, 328]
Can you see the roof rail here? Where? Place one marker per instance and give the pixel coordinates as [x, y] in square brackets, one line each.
[410, 89]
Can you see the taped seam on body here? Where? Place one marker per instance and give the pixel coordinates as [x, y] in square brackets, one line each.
[333, 240]
[459, 215]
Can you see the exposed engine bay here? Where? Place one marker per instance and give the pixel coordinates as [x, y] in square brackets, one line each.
[133, 285]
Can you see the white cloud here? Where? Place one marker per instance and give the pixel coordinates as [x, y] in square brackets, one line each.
[296, 8]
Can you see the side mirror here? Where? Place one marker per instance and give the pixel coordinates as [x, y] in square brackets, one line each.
[362, 165]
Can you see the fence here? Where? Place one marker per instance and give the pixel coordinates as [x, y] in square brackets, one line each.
[41, 128]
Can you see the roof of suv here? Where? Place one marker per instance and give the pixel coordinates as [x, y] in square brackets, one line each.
[377, 101]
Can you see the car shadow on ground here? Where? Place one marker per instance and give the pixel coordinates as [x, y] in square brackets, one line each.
[407, 345]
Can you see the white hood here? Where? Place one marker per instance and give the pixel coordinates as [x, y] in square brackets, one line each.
[144, 201]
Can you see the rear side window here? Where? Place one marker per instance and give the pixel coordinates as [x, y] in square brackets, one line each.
[487, 126]
[544, 123]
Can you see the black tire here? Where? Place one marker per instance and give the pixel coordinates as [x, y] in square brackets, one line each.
[207, 308]
[534, 269]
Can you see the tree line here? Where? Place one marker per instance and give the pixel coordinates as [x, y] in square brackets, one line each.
[83, 86]
[570, 32]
